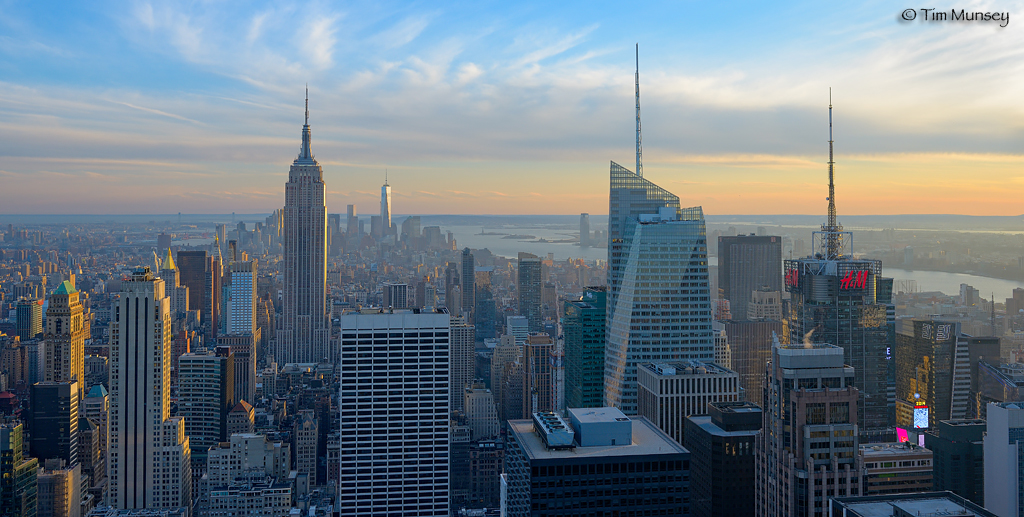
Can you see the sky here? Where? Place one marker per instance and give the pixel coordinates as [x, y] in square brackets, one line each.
[124, 107]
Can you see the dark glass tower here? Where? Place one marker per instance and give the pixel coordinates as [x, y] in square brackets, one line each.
[747, 263]
[584, 329]
[836, 299]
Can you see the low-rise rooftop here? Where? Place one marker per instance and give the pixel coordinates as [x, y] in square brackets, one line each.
[647, 439]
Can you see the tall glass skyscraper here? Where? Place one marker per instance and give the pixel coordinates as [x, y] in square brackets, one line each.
[585, 337]
[659, 306]
[304, 332]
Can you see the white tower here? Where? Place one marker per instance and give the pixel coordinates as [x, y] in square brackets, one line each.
[149, 462]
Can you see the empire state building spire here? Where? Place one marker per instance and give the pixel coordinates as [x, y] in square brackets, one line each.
[306, 153]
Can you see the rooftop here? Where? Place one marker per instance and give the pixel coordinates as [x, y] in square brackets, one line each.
[881, 450]
[65, 287]
[924, 504]
[647, 439]
[705, 423]
[598, 414]
[686, 368]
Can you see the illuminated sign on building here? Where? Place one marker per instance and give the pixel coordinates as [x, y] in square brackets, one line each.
[792, 277]
[920, 417]
[854, 280]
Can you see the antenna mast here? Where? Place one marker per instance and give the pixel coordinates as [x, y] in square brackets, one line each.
[832, 229]
[639, 140]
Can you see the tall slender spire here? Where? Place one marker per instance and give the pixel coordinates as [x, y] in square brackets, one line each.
[305, 153]
[639, 140]
[832, 228]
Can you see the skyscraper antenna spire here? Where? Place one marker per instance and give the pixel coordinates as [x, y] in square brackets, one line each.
[639, 140]
[306, 153]
[832, 229]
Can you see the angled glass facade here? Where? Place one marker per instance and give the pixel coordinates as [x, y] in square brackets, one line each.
[659, 303]
[629, 196]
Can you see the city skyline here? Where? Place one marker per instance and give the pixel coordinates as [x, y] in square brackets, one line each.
[505, 109]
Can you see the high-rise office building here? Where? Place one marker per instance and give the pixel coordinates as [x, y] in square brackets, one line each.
[385, 208]
[670, 392]
[307, 437]
[163, 243]
[240, 298]
[842, 300]
[750, 345]
[243, 354]
[92, 452]
[29, 314]
[481, 416]
[662, 308]
[65, 337]
[177, 292]
[517, 327]
[747, 263]
[468, 285]
[54, 421]
[18, 473]
[584, 230]
[584, 331]
[807, 451]
[958, 451]
[463, 360]
[96, 407]
[935, 368]
[538, 380]
[60, 490]
[529, 290]
[1004, 459]
[303, 329]
[142, 432]
[506, 353]
[192, 266]
[205, 394]
[370, 428]
[599, 463]
[352, 227]
[721, 446]
[395, 296]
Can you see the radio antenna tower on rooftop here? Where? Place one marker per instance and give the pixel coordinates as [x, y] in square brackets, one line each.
[832, 229]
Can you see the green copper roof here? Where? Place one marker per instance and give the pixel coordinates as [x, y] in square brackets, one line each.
[65, 287]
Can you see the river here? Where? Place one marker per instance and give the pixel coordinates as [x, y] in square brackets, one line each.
[949, 283]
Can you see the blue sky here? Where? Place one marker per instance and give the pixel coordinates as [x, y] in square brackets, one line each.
[499, 107]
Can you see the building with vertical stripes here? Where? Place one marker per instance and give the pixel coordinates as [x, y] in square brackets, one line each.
[670, 392]
[149, 458]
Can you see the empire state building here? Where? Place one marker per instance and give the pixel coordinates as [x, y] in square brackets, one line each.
[303, 333]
